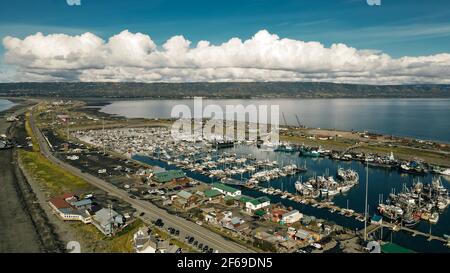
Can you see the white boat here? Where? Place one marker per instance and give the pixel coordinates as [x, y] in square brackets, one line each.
[434, 218]
[299, 186]
[443, 171]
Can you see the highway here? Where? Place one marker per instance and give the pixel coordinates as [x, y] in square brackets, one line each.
[186, 227]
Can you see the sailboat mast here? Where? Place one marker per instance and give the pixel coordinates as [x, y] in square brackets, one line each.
[367, 192]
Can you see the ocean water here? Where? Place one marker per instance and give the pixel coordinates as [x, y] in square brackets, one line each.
[419, 118]
[5, 105]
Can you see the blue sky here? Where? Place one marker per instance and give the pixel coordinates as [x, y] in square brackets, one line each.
[397, 27]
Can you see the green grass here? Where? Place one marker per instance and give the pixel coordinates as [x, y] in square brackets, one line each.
[53, 178]
[123, 241]
[29, 131]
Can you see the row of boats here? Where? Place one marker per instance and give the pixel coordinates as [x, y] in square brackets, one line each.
[373, 160]
[328, 186]
[416, 203]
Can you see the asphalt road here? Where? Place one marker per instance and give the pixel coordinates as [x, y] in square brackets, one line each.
[186, 227]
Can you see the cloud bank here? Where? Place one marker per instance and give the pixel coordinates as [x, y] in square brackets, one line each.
[265, 57]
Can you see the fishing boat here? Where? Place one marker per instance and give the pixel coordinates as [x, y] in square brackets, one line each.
[412, 168]
[441, 171]
[308, 152]
[434, 218]
[349, 176]
[285, 148]
[410, 219]
[389, 211]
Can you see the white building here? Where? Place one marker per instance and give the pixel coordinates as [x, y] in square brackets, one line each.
[224, 189]
[257, 203]
[291, 217]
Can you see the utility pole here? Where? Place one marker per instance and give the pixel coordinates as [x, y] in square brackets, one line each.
[367, 191]
[68, 131]
[103, 131]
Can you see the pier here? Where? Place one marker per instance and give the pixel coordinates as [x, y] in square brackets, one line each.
[375, 227]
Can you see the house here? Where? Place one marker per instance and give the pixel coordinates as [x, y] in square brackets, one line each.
[235, 224]
[304, 235]
[288, 246]
[83, 204]
[291, 217]
[277, 214]
[64, 209]
[212, 194]
[257, 203]
[184, 199]
[107, 221]
[169, 176]
[184, 194]
[142, 242]
[226, 190]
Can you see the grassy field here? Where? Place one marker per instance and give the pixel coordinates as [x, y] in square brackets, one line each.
[54, 179]
[122, 242]
[29, 131]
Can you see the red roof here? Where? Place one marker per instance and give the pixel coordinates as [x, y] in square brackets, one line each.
[64, 196]
[60, 203]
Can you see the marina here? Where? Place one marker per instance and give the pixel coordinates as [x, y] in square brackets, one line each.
[260, 171]
[399, 117]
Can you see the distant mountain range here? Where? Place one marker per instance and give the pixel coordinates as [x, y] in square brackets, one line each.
[222, 90]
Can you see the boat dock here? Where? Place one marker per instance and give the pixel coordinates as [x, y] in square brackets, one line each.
[375, 227]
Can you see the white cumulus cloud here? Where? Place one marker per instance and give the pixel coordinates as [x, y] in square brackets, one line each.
[265, 57]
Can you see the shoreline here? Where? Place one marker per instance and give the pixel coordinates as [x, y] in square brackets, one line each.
[26, 227]
[97, 105]
[408, 148]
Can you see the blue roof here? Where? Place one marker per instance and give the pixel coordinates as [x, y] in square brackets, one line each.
[81, 203]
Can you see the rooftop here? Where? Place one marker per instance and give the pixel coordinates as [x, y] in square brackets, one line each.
[168, 176]
[212, 193]
[224, 187]
[184, 194]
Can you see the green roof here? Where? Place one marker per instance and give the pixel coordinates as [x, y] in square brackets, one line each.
[259, 200]
[260, 213]
[227, 198]
[244, 199]
[394, 248]
[168, 176]
[224, 187]
[184, 194]
[212, 193]
[263, 199]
